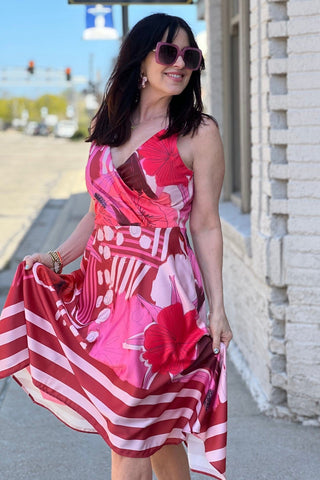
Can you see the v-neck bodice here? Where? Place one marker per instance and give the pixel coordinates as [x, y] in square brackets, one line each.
[158, 133]
[152, 187]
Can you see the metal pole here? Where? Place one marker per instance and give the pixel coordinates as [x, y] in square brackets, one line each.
[91, 71]
[125, 23]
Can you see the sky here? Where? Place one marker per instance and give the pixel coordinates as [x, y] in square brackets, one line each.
[49, 32]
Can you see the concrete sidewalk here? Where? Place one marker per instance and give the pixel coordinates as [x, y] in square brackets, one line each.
[34, 445]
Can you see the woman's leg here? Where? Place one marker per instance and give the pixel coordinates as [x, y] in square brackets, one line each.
[171, 463]
[127, 468]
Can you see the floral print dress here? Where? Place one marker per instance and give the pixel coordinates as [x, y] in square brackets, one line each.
[120, 347]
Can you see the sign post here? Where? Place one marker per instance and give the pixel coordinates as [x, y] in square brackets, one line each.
[126, 3]
[130, 2]
[125, 20]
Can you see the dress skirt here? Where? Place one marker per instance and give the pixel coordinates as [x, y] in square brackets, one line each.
[120, 347]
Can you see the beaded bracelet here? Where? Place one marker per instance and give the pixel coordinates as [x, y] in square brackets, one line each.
[57, 263]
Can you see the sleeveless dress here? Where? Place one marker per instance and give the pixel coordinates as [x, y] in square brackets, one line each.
[120, 347]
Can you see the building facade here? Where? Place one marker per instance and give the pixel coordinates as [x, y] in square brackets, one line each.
[263, 71]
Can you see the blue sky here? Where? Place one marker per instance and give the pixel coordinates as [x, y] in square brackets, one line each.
[49, 32]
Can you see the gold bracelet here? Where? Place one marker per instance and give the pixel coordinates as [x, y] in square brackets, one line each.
[57, 264]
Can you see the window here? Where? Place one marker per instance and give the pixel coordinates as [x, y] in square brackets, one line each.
[236, 77]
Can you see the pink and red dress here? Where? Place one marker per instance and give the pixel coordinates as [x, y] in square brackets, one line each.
[120, 347]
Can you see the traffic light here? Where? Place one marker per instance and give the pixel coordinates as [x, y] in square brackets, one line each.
[68, 74]
[30, 68]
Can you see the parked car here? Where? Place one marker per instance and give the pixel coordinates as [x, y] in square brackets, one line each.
[31, 128]
[65, 128]
[42, 130]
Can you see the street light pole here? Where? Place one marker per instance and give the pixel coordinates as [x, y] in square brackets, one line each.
[125, 23]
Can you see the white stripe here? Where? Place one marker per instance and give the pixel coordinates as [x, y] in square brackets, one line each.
[49, 353]
[14, 360]
[199, 458]
[142, 274]
[104, 380]
[216, 455]
[37, 279]
[216, 430]
[104, 161]
[137, 422]
[165, 244]
[120, 268]
[155, 242]
[84, 403]
[113, 270]
[197, 425]
[126, 398]
[93, 151]
[40, 322]
[126, 275]
[136, 266]
[12, 310]
[12, 335]
[68, 392]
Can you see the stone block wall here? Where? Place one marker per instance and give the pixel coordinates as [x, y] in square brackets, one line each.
[271, 256]
[302, 244]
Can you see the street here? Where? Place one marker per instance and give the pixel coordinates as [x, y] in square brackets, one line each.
[32, 171]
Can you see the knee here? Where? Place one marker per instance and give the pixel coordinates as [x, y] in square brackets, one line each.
[128, 468]
[171, 463]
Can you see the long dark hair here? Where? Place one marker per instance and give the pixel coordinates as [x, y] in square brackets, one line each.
[111, 124]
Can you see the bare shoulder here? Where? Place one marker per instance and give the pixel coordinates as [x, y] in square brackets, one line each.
[207, 148]
[202, 144]
[207, 136]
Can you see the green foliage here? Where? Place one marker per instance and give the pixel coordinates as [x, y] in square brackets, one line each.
[5, 110]
[12, 107]
[56, 105]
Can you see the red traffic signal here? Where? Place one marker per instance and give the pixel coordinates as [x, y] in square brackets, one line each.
[68, 74]
[30, 68]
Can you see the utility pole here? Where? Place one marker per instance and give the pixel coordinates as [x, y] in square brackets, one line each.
[125, 23]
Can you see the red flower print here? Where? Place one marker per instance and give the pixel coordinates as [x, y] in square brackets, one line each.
[162, 160]
[63, 284]
[170, 343]
[155, 212]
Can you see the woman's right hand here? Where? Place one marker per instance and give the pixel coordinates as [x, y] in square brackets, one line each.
[43, 258]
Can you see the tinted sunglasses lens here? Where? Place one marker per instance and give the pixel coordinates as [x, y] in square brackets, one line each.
[191, 59]
[167, 54]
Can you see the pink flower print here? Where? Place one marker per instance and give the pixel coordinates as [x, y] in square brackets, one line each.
[170, 343]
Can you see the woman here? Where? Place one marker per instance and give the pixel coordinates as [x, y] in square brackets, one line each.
[121, 347]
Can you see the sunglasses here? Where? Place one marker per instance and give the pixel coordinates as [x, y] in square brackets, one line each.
[168, 53]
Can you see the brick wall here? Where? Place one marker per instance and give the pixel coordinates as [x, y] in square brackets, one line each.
[302, 244]
[271, 266]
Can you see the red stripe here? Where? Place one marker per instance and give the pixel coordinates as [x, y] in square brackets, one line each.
[216, 442]
[43, 302]
[13, 347]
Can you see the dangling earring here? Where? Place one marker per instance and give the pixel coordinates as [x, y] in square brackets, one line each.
[143, 80]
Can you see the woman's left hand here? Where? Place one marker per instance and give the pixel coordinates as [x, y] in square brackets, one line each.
[220, 329]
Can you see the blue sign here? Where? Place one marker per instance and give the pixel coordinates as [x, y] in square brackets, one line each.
[132, 2]
[99, 23]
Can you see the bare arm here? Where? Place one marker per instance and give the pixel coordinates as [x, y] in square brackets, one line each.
[73, 247]
[205, 226]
